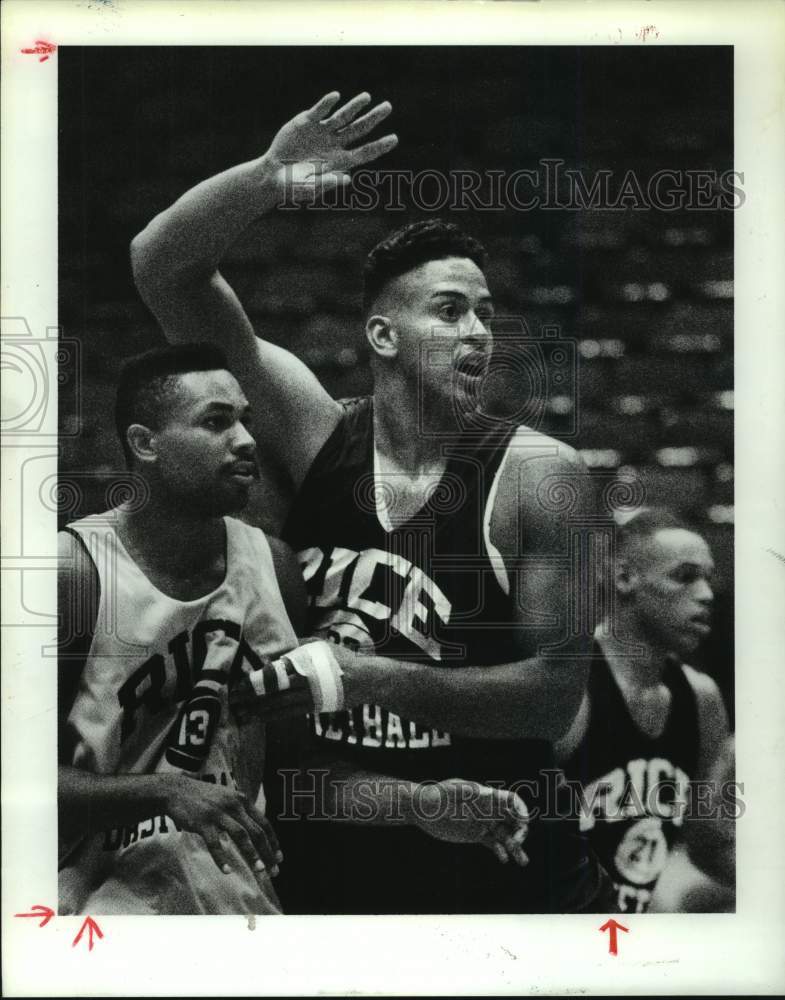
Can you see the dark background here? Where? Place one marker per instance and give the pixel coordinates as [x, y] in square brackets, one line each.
[138, 126]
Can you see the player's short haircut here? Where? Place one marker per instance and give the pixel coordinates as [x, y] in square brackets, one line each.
[411, 246]
[148, 380]
[645, 523]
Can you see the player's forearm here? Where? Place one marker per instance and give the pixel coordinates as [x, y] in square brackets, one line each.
[534, 698]
[355, 795]
[186, 242]
[90, 802]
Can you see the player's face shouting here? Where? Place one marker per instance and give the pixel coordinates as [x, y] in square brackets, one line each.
[206, 453]
[442, 316]
[674, 594]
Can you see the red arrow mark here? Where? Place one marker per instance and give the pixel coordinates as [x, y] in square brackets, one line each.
[91, 926]
[42, 49]
[39, 911]
[612, 926]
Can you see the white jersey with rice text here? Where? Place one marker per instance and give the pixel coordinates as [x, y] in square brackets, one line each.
[153, 698]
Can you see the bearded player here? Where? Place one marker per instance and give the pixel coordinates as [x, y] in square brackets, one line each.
[164, 604]
[425, 534]
[649, 724]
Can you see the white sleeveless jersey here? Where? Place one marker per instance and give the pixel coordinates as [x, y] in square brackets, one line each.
[153, 698]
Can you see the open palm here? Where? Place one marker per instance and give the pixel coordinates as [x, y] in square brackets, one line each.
[311, 153]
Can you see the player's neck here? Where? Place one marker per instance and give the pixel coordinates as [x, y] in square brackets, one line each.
[397, 432]
[640, 671]
[180, 541]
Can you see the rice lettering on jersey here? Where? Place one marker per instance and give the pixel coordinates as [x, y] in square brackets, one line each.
[634, 788]
[153, 699]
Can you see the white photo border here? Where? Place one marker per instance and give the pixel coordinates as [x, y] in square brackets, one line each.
[722, 953]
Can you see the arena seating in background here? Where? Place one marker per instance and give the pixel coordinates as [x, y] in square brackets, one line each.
[645, 298]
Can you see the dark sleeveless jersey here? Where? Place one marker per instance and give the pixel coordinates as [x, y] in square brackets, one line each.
[426, 591]
[634, 786]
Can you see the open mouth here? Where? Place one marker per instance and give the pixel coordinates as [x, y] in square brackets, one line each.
[473, 366]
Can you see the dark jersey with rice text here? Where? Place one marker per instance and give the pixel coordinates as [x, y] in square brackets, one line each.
[431, 590]
[635, 787]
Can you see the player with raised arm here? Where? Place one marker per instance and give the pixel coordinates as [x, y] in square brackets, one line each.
[649, 724]
[461, 579]
[164, 603]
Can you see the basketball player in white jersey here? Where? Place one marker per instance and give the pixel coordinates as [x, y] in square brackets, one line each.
[160, 601]
[523, 667]
[164, 602]
[649, 724]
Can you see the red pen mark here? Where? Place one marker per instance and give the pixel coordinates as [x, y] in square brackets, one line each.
[42, 49]
[39, 911]
[612, 926]
[91, 926]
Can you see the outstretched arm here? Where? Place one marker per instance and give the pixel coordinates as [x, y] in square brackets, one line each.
[176, 257]
[453, 810]
[536, 695]
[541, 521]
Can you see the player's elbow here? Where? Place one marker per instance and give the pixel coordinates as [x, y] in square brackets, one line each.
[144, 267]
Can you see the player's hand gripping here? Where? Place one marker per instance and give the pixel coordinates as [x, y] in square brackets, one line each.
[465, 812]
[220, 815]
[311, 153]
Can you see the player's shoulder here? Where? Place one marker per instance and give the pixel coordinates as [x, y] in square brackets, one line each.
[73, 556]
[704, 687]
[544, 481]
[546, 476]
[260, 538]
[247, 534]
[78, 589]
[701, 683]
[538, 452]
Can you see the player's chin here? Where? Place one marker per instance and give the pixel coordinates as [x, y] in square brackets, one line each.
[228, 497]
[687, 641]
[237, 498]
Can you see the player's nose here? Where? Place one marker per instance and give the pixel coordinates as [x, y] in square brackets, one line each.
[478, 336]
[243, 440]
[703, 592]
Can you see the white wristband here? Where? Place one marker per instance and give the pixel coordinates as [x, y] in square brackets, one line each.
[316, 663]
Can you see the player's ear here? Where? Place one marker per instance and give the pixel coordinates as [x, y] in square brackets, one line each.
[381, 336]
[141, 441]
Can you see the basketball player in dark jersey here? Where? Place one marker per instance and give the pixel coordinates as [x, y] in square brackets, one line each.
[428, 534]
[649, 724]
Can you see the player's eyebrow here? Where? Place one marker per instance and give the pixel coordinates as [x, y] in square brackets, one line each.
[219, 406]
[457, 294]
[707, 569]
